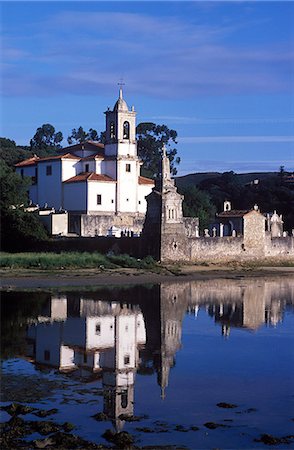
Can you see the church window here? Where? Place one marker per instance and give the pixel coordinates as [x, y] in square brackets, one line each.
[112, 201]
[128, 167]
[126, 130]
[99, 199]
[139, 202]
[126, 360]
[87, 168]
[47, 355]
[112, 130]
[98, 329]
[124, 399]
[48, 170]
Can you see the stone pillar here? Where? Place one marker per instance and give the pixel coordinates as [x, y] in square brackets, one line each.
[197, 231]
[221, 230]
[254, 233]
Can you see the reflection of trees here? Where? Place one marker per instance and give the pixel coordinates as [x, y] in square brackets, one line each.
[17, 308]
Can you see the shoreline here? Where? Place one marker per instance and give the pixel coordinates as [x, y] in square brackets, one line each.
[30, 279]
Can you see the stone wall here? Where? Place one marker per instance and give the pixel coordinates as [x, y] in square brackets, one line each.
[218, 248]
[279, 246]
[99, 225]
[178, 247]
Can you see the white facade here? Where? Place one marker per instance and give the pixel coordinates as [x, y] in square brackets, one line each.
[92, 178]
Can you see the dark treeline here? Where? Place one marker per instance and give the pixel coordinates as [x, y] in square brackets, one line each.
[273, 191]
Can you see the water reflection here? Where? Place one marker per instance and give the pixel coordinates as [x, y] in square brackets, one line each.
[113, 335]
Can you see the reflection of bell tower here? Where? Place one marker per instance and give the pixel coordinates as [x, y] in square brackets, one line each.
[121, 366]
[173, 304]
[121, 159]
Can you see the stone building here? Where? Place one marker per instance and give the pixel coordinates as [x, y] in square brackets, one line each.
[236, 234]
[164, 216]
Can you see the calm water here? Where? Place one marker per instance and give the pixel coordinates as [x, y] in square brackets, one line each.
[156, 360]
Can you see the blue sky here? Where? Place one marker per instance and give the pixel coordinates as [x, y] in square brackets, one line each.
[220, 73]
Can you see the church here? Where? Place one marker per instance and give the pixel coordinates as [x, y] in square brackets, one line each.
[97, 187]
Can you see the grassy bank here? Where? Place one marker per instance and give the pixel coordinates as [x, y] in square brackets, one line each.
[72, 260]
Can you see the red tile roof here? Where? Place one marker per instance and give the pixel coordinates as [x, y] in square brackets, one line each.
[64, 156]
[88, 145]
[92, 157]
[144, 180]
[89, 176]
[28, 162]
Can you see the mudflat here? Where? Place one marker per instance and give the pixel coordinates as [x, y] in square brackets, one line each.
[34, 279]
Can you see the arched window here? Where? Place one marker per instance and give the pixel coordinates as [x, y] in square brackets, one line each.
[124, 399]
[126, 130]
[112, 130]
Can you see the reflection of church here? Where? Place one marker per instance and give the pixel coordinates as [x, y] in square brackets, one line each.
[99, 340]
[111, 341]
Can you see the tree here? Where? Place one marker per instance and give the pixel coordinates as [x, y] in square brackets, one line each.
[13, 188]
[46, 139]
[197, 203]
[18, 227]
[150, 139]
[11, 153]
[79, 135]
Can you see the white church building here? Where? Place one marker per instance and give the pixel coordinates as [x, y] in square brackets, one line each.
[100, 186]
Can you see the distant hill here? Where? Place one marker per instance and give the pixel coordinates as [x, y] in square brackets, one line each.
[244, 178]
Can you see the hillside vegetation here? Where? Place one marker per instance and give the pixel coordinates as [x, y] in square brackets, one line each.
[269, 190]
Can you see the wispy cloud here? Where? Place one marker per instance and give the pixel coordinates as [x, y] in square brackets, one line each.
[236, 166]
[228, 139]
[160, 56]
[223, 120]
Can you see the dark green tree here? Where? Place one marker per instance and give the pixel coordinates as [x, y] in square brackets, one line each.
[197, 203]
[150, 139]
[11, 153]
[18, 227]
[79, 135]
[13, 188]
[46, 139]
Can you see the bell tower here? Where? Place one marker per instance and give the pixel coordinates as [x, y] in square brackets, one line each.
[121, 159]
[120, 129]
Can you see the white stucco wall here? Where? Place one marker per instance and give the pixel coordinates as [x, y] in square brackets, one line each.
[59, 224]
[33, 193]
[98, 166]
[74, 332]
[126, 333]
[49, 186]
[30, 171]
[75, 196]
[104, 338]
[141, 330]
[127, 186]
[108, 167]
[143, 191]
[66, 357]
[107, 192]
[49, 337]
[70, 168]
